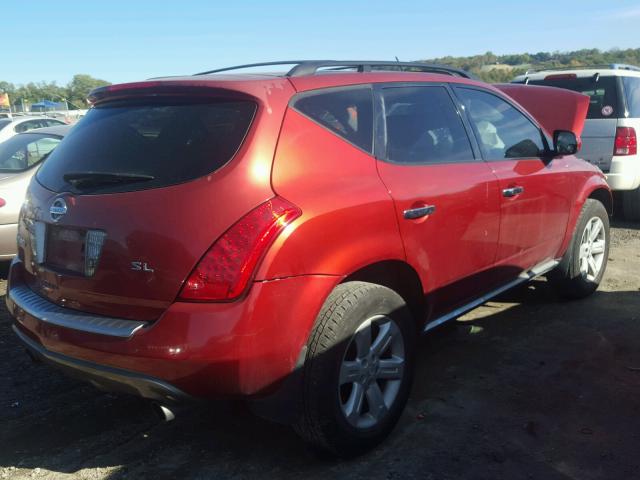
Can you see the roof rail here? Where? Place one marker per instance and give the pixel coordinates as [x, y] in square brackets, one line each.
[608, 66]
[310, 67]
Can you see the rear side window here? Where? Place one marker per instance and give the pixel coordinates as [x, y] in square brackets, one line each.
[423, 126]
[603, 93]
[346, 112]
[29, 125]
[632, 92]
[502, 131]
[154, 145]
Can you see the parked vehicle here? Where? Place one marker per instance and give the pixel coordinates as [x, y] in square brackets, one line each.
[284, 238]
[20, 157]
[610, 138]
[12, 126]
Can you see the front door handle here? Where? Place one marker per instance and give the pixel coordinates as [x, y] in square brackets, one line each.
[419, 212]
[512, 192]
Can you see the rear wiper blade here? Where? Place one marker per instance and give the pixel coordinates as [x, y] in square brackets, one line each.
[96, 179]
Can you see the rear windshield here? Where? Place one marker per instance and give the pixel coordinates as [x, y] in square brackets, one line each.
[605, 101]
[139, 146]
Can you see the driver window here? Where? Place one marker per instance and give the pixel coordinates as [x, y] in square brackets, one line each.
[502, 131]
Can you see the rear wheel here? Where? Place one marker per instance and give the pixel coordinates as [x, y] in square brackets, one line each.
[631, 204]
[583, 266]
[358, 370]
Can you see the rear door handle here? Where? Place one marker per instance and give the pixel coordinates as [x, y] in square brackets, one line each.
[512, 192]
[419, 212]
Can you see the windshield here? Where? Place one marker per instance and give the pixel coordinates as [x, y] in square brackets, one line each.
[603, 93]
[168, 143]
[24, 151]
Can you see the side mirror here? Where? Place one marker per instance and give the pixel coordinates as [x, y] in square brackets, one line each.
[565, 143]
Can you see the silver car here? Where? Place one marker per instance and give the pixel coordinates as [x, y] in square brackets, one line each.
[12, 126]
[610, 136]
[20, 157]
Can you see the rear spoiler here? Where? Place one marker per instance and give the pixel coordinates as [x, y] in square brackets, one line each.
[554, 108]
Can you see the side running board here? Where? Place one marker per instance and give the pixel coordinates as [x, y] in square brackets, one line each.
[536, 271]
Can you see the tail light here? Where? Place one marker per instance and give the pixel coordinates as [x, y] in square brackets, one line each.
[3, 202]
[626, 141]
[227, 267]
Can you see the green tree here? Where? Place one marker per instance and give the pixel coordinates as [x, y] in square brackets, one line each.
[79, 87]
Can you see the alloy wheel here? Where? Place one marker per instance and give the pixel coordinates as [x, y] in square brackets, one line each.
[371, 372]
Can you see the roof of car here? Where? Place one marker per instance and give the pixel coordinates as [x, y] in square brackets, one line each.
[613, 70]
[60, 130]
[32, 117]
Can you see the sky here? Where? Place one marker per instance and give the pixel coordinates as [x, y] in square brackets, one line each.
[132, 40]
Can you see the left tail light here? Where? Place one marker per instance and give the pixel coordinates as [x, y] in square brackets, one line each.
[226, 269]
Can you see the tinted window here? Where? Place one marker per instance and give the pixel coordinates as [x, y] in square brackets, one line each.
[346, 112]
[4, 123]
[502, 131]
[29, 125]
[423, 126]
[632, 92]
[24, 151]
[52, 123]
[603, 94]
[172, 143]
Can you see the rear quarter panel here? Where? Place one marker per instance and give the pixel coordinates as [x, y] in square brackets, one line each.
[348, 219]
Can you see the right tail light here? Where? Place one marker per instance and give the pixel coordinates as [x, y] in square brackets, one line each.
[626, 141]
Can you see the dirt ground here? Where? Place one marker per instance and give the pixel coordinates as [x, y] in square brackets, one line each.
[525, 387]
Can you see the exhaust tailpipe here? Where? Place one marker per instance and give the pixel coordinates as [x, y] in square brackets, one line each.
[163, 412]
[34, 358]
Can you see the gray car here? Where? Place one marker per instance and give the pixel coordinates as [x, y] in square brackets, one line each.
[20, 157]
[610, 136]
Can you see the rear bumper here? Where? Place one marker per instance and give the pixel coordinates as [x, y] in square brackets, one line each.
[624, 173]
[8, 244]
[204, 350]
[106, 378]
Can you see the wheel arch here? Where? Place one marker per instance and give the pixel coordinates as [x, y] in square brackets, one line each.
[596, 188]
[603, 195]
[400, 277]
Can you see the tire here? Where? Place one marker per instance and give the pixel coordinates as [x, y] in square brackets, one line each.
[631, 204]
[356, 316]
[583, 265]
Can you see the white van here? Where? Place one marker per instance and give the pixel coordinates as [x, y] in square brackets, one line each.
[609, 139]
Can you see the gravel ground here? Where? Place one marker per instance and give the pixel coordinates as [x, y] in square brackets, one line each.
[525, 387]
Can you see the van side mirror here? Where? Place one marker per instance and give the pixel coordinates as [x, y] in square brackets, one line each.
[565, 143]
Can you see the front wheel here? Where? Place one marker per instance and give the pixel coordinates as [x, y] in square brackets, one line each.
[358, 371]
[582, 268]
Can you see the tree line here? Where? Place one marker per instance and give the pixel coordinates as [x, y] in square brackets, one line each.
[502, 68]
[489, 67]
[75, 92]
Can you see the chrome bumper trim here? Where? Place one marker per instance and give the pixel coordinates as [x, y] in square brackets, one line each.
[44, 310]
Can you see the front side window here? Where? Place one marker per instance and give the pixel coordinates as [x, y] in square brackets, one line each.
[346, 112]
[22, 152]
[423, 126]
[502, 131]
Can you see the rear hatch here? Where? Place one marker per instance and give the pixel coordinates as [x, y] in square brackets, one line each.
[605, 107]
[138, 191]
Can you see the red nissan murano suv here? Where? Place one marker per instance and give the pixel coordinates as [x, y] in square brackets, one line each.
[284, 237]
